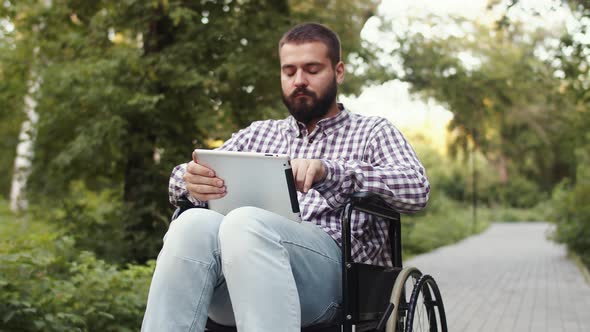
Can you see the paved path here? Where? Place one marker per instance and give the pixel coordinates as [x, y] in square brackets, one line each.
[509, 278]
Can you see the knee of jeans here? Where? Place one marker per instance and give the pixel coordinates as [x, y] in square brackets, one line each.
[193, 231]
[242, 230]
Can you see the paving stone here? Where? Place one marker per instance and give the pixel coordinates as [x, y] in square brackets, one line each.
[509, 278]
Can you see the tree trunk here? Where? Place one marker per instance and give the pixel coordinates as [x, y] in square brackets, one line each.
[26, 137]
[140, 193]
[503, 169]
[140, 159]
[24, 148]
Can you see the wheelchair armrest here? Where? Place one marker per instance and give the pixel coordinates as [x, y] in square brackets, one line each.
[372, 203]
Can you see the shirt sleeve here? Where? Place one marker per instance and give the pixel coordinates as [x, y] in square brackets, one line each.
[176, 186]
[391, 169]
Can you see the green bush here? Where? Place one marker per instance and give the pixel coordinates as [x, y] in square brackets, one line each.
[520, 192]
[46, 284]
[448, 217]
[454, 184]
[540, 212]
[455, 178]
[443, 222]
[458, 182]
[572, 209]
[91, 216]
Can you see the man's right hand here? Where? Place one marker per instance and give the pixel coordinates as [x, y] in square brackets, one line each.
[202, 183]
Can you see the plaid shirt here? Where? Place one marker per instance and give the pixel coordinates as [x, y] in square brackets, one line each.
[360, 153]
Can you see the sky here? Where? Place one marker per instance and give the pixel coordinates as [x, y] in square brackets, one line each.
[392, 100]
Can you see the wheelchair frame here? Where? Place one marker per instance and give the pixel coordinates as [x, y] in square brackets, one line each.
[366, 306]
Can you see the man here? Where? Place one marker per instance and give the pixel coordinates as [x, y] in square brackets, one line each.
[255, 269]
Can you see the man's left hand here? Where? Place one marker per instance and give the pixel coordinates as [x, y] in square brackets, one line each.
[307, 172]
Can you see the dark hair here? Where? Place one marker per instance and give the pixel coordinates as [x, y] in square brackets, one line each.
[314, 32]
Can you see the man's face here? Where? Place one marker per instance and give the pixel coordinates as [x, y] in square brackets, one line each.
[309, 80]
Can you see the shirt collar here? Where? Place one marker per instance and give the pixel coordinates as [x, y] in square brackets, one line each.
[324, 125]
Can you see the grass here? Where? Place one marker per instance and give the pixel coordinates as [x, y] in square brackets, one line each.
[445, 222]
[16, 227]
[508, 214]
[5, 212]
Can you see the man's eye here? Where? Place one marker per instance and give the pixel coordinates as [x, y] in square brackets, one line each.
[289, 72]
[313, 70]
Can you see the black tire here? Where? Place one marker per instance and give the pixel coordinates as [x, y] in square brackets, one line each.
[426, 312]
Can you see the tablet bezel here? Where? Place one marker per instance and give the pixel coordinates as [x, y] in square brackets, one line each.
[263, 180]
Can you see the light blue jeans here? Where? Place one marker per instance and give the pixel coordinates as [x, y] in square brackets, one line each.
[252, 268]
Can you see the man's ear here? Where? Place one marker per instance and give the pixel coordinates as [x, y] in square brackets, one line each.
[339, 69]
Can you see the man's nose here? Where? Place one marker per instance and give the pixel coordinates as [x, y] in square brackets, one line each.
[300, 79]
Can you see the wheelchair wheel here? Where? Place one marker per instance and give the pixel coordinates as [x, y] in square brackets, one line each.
[405, 282]
[426, 311]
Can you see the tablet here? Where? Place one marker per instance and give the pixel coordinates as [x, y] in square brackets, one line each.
[253, 179]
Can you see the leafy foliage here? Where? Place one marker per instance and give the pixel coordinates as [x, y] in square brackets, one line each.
[13, 77]
[570, 197]
[46, 284]
[491, 81]
[129, 88]
[572, 211]
[445, 220]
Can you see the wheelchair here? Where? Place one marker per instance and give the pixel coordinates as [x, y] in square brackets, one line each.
[375, 298]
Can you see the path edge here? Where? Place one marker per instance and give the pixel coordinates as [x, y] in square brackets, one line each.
[578, 261]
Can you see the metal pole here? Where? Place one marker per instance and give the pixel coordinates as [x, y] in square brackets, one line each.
[474, 182]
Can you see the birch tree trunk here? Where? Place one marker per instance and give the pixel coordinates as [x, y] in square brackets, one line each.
[24, 148]
[28, 131]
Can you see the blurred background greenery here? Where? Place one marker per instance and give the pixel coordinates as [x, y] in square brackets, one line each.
[127, 88]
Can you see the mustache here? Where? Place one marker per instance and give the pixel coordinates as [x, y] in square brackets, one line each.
[302, 90]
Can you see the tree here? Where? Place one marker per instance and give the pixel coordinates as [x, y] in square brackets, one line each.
[131, 87]
[571, 62]
[13, 79]
[506, 101]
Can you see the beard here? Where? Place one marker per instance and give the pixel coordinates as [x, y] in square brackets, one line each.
[305, 110]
